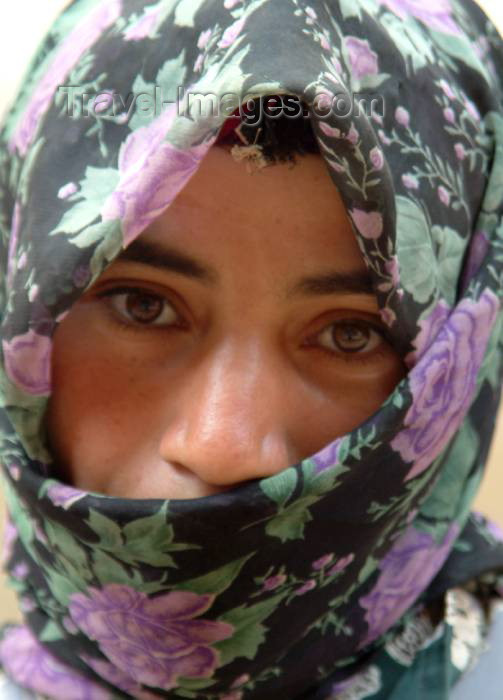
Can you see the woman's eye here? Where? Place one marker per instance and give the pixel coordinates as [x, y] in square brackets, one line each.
[350, 336]
[141, 307]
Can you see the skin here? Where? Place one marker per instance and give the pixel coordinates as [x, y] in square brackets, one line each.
[189, 386]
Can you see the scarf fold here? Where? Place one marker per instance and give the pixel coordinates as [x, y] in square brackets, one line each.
[289, 586]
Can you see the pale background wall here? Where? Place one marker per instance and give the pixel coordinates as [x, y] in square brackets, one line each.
[23, 23]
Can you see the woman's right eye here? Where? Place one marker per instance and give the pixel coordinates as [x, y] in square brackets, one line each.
[139, 307]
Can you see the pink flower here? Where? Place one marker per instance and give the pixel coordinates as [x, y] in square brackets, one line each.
[241, 680]
[101, 102]
[229, 4]
[28, 362]
[330, 131]
[368, 223]
[443, 195]
[204, 37]
[377, 158]
[352, 136]
[306, 587]
[341, 564]
[14, 235]
[274, 582]
[231, 33]
[402, 116]
[362, 59]
[449, 115]
[459, 150]
[472, 110]
[447, 89]
[152, 172]
[322, 562]
[410, 181]
[385, 140]
[9, 537]
[67, 190]
[66, 56]
[387, 316]
[324, 43]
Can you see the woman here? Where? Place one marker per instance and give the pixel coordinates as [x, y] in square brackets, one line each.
[242, 429]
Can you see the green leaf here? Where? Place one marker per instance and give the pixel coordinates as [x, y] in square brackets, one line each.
[193, 683]
[108, 570]
[216, 581]
[96, 186]
[280, 487]
[52, 632]
[450, 249]
[368, 569]
[290, 521]
[414, 248]
[460, 48]
[412, 44]
[61, 587]
[349, 9]
[107, 530]
[249, 633]
[493, 195]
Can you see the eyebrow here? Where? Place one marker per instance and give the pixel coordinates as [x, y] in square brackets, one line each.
[171, 260]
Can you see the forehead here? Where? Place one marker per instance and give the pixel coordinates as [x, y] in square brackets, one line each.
[283, 212]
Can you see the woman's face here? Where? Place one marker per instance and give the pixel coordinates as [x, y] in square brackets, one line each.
[236, 336]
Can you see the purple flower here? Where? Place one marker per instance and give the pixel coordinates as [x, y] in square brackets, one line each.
[436, 14]
[495, 530]
[443, 195]
[306, 587]
[368, 223]
[231, 33]
[362, 59]
[459, 150]
[21, 570]
[64, 496]
[152, 172]
[402, 116]
[327, 457]
[322, 562]
[28, 663]
[66, 56]
[67, 190]
[28, 362]
[341, 564]
[447, 90]
[479, 245]
[102, 101]
[152, 640]
[449, 115]
[443, 382]
[145, 25]
[118, 678]
[377, 158]
[405, 572]
[274, 582]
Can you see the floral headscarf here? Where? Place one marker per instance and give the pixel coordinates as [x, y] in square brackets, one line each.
[328, 563]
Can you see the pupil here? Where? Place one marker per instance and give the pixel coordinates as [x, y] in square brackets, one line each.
[350, 338]
[143, 308]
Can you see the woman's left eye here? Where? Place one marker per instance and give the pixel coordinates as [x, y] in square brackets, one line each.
[141, 307]
[351, 336]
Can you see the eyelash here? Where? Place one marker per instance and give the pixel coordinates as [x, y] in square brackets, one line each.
[348, 356]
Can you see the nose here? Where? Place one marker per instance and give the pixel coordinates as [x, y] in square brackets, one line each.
[232, 418]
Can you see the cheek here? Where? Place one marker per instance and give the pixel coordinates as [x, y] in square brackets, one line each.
[95, 412]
